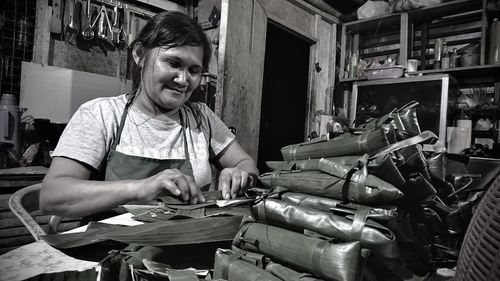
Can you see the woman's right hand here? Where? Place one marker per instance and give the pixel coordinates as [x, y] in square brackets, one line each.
[171, 181]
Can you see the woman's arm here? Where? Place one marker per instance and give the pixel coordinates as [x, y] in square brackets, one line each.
[68, 192]
[239, 173]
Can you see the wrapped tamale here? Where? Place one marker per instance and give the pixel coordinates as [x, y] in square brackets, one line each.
[415, 161]
[340, 262]
[371, 234]
[285, 273]
[230, 266]
[382, 166]
[437, 165]
[392, 118]
[422, 137]
[360, 187]
[402, 119]
[330, 204]
[408, 116]
[345, 144]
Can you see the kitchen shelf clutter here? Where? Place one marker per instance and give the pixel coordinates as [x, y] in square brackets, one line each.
[424, 35]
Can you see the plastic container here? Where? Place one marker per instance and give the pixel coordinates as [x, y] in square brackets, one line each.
[383, 72]
[10, 121]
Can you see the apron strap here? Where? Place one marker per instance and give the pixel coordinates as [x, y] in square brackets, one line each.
[116, 141]
[181, 118]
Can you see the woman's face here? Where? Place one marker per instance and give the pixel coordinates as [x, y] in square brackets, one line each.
[171, 75]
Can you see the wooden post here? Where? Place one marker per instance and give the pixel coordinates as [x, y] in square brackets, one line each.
[403, 39]
[42, 33]
[484, 32]
[342, 53]
[424, 31]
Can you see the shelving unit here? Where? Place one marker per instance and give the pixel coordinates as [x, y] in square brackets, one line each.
[402, 31]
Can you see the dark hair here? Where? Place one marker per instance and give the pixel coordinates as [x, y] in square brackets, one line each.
[169, 29]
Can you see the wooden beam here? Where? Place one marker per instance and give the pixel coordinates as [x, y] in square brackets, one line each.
[42, 33]
[343, 51]
[311, 92]
[314, 10]
[404, 39]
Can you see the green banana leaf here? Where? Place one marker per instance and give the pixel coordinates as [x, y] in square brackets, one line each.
[178, 232]
[371, 234]
[382, 166]
[345, 144]
[372, 191]
[230, 266]
[381, 214]
[317, 256]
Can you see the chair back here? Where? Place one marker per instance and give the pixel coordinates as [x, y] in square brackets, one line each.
[25, 201]
[479, 258]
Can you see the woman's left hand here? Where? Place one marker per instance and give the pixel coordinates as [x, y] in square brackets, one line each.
[233, 181]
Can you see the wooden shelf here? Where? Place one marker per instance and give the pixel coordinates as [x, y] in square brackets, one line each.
[444, 9]
[492, 70]
[372, 23]
[418, 15]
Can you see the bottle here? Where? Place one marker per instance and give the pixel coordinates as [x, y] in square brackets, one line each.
[445, 59]
[494, 46]
[438, 49]
[354, 65]
[453, 58]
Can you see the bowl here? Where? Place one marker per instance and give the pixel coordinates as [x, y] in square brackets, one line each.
[469, 60]
[383, 72]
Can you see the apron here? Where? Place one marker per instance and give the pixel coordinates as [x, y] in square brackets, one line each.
[120, 166]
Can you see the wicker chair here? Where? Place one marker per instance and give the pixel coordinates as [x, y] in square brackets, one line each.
[24, 201]
[480, 254]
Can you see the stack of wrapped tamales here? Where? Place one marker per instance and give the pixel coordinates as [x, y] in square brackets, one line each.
[360, 206]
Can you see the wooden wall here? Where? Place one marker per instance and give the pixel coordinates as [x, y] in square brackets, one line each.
[297, 17]
[96, 56]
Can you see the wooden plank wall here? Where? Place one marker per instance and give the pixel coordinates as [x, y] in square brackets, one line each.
[72, 52]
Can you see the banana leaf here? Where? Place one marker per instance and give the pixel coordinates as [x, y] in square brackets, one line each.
[340, 262]
[360, 189]
[408, 116]
[437, 165]
[422, 137]
[371, 234]
[382, 166]
[178, 232]
[345, 144]
[229, 266]
[414, 162]
[392, 119]
[329, 205]
[288, 274]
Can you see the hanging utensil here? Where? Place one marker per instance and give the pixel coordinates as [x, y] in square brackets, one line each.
[87, 29]
[104, 24]
[115, 36]
[101, 31]
[71, 29]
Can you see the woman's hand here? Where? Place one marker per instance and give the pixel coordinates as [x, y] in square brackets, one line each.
[233, 181]
[170, 181]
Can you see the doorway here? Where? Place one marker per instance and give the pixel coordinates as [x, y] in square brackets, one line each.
[284, 93]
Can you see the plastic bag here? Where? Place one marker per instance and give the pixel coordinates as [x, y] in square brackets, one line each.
[408, 5]
[373, 9]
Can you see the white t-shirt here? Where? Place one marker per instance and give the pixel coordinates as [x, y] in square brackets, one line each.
[90, 133]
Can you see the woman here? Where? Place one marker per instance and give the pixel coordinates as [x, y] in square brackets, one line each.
[150, 143]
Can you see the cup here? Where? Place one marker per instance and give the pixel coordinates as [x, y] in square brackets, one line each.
[412, 65]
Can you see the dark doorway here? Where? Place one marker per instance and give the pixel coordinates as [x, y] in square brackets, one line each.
[284, 93]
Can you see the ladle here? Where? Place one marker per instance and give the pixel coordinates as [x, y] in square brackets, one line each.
[88, 31]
